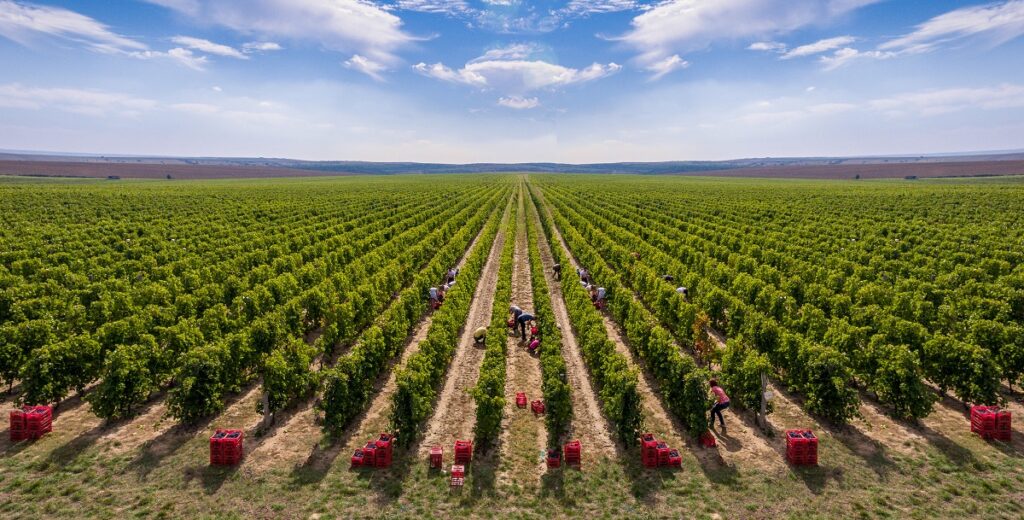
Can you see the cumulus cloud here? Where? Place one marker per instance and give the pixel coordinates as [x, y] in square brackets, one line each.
[356, 26]
[209, 47]
[516, 69]
[819, 47]
[366, 66]
[25, 23]
[517, 75]
[675, 26]
[996, 23]
[518, 102]
[667, 65]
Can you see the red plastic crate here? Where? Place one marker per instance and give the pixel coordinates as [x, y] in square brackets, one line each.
[383, 446]
[436, 457]
[991, 422]
[554, 458]
[463, 452]
[226, 447]
[537, 407]
[663, 452]
[458, 471]
[357, 458]
[674, 459]
[521, 399]
[801, 447]
[19, 432]
[649, 450]
[707, 439]
[573, 453]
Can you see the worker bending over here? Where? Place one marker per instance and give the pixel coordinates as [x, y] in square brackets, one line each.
[480, 336]
[523, 320]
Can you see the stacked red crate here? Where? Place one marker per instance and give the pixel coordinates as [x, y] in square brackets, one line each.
[801, 447]
[226, 447]
[649, 450]
[18, 431]
[436, 456]
[573, 453]
[38, 420]
[990, 422]
[463, 452]
[383, 450]
[663, 452]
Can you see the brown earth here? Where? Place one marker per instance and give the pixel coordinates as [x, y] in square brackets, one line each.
[148, 171]
[523, 436]
[875, 171]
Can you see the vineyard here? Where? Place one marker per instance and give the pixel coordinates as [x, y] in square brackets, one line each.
[149, 314]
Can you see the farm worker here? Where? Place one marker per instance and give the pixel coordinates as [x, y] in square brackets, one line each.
[593, 293]
[434, 294]
[534, 345]
[722, 402]
[522, 320]
[668, 278]
[480, 335]
[558, 271]
[440, 293]
[601, 293]
[682, 291]
[452, 273]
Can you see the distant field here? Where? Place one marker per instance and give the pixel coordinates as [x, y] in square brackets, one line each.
[877, 171]
[156, 168]
[154, 312]
[147, 170]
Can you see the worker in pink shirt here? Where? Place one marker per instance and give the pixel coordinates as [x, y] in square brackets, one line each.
[722, 402]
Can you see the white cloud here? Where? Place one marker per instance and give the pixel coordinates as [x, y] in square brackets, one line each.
[997, 23]
[441, 72]
[517, 76]
[178, 55]
[819, 47]
[24, 23]
[518, 102]
[847, 54]
[366, 66]
[449, 7]
[251, 47]
[767, 47]
[80, 101]
[357, 26]
[209, 47]
[585, 7]
[516, 51]
[675, 26]
[667, 65]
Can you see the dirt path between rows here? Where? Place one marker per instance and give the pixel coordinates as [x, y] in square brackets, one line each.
[588, 423]
[455, 414]
[296, 433]
[523, 436]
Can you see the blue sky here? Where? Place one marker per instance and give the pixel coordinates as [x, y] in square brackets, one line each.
[511, 80]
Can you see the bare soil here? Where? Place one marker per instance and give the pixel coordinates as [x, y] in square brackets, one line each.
[588, 422]
[523, 435]
[455, 413]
